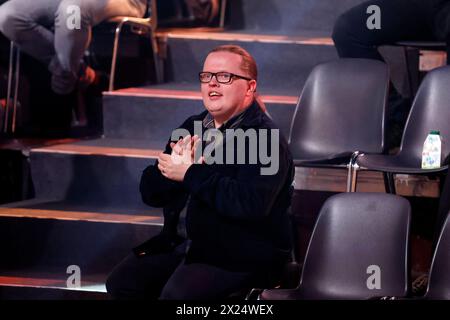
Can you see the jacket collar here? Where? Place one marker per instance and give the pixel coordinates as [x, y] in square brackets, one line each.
[249, 117]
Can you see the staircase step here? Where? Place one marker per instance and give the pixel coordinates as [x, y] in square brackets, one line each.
[102, 152]
[307, 37]
[151, 113]
[25, 144]
[48, 209]
[46, 285]
[101, 171]
[283, 62]
[285, 16]
[104, 147]
[51, 280]
[39, 234]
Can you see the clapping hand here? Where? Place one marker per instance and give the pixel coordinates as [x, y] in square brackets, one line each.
[175, 165]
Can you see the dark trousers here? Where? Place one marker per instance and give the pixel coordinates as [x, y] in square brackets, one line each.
[401, 20]
[167, 276]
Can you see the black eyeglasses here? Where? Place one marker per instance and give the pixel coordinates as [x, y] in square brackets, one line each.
[221, 77]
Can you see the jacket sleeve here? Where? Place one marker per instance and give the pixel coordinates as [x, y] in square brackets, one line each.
[247, 195]
[156, 190]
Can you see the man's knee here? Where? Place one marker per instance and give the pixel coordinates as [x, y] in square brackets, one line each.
[11, 25]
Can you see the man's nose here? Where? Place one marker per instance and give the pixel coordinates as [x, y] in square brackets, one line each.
[213, 82]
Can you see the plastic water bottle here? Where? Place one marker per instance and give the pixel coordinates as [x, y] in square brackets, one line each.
[432, 151]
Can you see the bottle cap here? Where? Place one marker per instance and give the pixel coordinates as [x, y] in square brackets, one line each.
[435, 132]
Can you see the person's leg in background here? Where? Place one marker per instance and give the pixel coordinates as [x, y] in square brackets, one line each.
[401, 20]
[28, 24]
[71, 43]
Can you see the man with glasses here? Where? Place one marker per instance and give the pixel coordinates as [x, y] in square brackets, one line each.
[237, 227]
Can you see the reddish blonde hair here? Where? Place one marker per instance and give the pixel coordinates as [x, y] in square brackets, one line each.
[248, 65]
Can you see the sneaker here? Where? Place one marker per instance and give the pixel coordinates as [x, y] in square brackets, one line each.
[419, 285]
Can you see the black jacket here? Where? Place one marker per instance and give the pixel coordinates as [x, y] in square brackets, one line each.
[236, 217]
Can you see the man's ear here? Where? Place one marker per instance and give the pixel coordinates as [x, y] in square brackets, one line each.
[252, 86]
